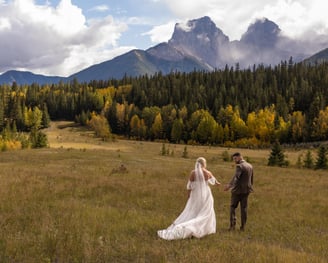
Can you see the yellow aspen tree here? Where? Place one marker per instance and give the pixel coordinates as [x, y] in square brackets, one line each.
[100, 126]
[135, 126]
[265, 121]
[238, 126]
[261, 124]
[183, 113]
[282, 129]
[33, 118]
[120, 115]
[157, 127]
[320, 125]
[251, 124]
[142, 129]
[297, 126]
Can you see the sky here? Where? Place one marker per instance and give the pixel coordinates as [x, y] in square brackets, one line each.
[62, 37]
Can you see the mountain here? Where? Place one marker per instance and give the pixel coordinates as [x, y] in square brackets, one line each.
[196, 45]
[200, 45]
[318, 58]
[161, 58]
[263, 34]
[200, 38]
[26, 77]
[264, 43]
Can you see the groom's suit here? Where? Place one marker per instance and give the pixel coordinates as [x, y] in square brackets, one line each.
[241, 185]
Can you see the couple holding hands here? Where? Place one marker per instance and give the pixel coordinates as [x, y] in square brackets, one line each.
[198, 217]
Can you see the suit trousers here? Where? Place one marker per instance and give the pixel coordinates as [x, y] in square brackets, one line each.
[235, 200]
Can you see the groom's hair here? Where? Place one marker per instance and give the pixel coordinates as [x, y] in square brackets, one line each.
[236, 154]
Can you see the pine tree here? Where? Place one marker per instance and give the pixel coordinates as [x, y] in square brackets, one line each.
[322, 161]
[277, 157]
[45, 123]
[38, 139]
[308, 161]
[299, 161]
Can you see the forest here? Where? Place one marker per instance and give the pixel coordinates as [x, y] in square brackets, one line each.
[251, 107]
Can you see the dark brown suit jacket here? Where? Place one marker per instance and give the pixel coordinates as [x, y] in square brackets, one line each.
[242, 181]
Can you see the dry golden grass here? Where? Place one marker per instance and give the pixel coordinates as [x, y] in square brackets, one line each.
[84, 200]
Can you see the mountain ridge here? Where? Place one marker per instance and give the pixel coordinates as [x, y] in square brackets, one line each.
[197, 44]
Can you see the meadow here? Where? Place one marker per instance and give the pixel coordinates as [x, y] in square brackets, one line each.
[85, 200]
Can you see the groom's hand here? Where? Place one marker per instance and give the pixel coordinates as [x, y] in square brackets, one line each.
[227, 187]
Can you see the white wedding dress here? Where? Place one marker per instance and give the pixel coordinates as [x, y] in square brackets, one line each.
[198, 217]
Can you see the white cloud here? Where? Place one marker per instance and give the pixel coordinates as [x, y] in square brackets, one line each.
[60, 40]
[100, 8]
[294, 17]
[297, 17]
[55, 40]
[161, 33]
[73, 63]
[4, 24]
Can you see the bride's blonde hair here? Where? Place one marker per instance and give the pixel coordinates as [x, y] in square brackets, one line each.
[202, 161]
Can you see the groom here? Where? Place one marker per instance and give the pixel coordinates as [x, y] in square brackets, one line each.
[241, 185]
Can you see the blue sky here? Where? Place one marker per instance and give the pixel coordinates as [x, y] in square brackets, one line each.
[61, 37]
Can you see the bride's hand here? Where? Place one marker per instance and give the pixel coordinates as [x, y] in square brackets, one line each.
[227, 187]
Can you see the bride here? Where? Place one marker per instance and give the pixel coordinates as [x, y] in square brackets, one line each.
[198, 217]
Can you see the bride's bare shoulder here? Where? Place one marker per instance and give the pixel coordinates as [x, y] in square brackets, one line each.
[207, 174]
[192, 175]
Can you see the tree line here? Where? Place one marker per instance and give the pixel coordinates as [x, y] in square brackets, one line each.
[233, 107]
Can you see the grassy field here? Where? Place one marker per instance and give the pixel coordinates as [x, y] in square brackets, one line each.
[84, 200]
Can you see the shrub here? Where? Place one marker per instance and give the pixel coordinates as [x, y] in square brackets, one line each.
[226, 156]
[322, 161]
[277, 157]
[308, 161]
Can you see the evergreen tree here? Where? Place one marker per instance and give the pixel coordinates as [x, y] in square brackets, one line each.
[6, 132]
[45, 123]
[322, 161]
[277, 157]
[177, 129]
[38, 139]
[308, 161]
[299, 161]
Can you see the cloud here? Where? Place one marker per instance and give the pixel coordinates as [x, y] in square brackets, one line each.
[60, 40]
[161, 33]
[100, 8]
[55, 40]
[294, 17]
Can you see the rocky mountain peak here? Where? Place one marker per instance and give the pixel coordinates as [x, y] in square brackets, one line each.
[196, 45]
[200, 38]
[195, 26]
[263, 33]
[202, 29]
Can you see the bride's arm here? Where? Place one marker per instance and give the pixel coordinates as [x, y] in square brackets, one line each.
[211, 179]
[190, 182]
